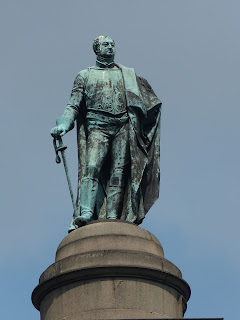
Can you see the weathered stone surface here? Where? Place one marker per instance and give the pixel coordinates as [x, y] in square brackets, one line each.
[111, 270]
[109, 235]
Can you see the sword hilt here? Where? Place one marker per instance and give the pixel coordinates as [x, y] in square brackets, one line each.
[60, 147]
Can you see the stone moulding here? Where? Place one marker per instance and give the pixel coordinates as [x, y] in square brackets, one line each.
[108, 272]
[111, 270]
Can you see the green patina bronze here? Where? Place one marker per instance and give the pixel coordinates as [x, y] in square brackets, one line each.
[117, 117]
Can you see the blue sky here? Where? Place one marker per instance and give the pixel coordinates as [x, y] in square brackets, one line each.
[189, 52]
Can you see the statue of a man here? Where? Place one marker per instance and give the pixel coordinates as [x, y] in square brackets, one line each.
[118, 132]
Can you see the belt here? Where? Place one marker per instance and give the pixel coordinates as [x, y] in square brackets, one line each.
[109, 118]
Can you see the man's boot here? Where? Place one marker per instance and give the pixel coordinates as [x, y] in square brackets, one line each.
[114, 202]
[89, 188]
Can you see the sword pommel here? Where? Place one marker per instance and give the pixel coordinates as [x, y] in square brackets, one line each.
[60, 147]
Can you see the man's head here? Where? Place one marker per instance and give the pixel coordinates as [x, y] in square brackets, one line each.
[104, 46]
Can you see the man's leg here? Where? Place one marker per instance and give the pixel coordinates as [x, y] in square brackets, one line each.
[120, 157]
[97, 148]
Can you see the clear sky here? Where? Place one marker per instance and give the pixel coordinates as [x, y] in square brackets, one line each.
[189, 51]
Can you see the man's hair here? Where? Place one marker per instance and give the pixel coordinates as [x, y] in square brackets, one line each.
[96, 44]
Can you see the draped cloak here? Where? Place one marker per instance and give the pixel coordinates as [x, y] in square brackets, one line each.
[142, 188]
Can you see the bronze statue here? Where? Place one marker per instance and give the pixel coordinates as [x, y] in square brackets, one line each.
[118, 132]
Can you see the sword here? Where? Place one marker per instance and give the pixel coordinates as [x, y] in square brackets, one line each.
[61, 147]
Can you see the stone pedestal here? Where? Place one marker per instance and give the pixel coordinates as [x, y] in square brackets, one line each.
[111, 270]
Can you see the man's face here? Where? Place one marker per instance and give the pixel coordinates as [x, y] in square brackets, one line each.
[107, 47]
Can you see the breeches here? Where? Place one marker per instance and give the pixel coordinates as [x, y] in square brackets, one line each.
[108, 140]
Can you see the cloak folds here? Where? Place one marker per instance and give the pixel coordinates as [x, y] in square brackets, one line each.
[142, 190]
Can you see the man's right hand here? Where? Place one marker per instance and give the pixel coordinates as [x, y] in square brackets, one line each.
[59, 131]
